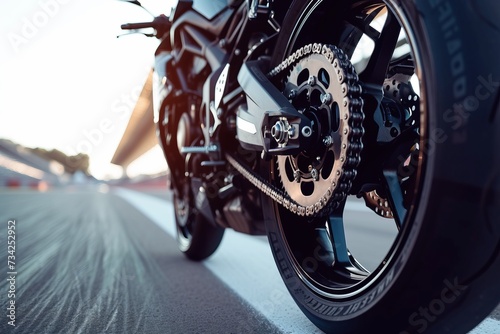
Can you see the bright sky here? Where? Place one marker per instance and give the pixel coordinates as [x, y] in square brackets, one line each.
[67, 82]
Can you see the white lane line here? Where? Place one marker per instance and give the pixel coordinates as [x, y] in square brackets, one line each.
[488, 326]
[246, 265]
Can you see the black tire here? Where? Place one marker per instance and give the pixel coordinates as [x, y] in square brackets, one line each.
[442, 272]
[196, 237]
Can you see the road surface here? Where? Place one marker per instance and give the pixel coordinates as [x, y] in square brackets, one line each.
[101, 260]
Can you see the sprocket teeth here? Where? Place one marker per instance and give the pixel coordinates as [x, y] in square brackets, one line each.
[341, 177]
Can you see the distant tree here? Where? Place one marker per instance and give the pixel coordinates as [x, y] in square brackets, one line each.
[71, 163]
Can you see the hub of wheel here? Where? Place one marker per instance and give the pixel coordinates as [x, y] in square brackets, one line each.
[282, 131]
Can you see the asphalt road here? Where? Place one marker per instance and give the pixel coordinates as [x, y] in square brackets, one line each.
[95, 260]
[88, 262]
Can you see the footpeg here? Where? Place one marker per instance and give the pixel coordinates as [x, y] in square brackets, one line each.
[200, 149]
[212, 163]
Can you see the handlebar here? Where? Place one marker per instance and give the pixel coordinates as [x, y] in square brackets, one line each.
[160, 23]
[139, 25]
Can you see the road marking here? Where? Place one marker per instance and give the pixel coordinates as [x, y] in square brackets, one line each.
[245, 264]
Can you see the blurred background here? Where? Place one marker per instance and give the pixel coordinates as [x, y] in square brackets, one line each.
[68, 88]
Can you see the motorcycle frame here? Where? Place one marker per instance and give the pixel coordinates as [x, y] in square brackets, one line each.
[242, 33]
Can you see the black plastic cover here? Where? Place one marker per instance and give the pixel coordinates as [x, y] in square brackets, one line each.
[209, 8]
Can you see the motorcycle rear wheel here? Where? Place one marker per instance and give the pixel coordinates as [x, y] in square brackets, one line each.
[441, 272]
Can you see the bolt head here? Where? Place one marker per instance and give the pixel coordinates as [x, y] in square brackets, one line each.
[326, 98]
[296, 176]
[307, 131]
[394, 132]
[328, 141]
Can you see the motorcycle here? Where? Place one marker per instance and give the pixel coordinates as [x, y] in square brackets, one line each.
[273, 114]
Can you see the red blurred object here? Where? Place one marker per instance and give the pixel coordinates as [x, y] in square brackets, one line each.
[13, 183]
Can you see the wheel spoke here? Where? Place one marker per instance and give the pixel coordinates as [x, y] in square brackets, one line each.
[395, 196]
[363, 24]
[344, 264]
[338, 240]
[384, 49]
[324, 252]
